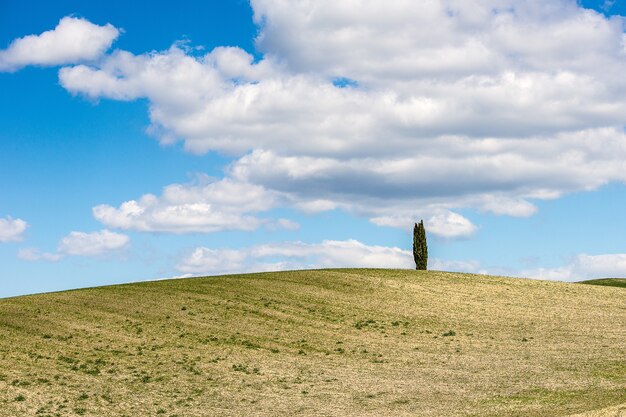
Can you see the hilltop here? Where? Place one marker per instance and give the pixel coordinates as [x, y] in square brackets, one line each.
[322, 342]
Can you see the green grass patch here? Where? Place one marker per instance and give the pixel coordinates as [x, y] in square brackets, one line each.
[606, 282]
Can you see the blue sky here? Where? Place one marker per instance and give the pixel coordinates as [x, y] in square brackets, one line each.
[214, 137]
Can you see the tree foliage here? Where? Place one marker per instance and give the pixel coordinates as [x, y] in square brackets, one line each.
[420, 248]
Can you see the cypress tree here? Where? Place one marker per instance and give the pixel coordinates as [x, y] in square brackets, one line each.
[420, 248]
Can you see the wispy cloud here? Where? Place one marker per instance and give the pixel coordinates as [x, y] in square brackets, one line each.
[34, 254]
[608, 5]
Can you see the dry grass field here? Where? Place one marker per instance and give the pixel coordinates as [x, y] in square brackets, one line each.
[356, 342]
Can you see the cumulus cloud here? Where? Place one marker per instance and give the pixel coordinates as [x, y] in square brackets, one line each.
[75, 243]
[450, 225]
[204, 206]
[11, 230]
[376, 42]
[443, 223]
[73, 40]
[447, 105]
[92, 244]
[295, 255]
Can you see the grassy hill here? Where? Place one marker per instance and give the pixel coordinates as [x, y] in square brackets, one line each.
[607, 282]
[325, 342]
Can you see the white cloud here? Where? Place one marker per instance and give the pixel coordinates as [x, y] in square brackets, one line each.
[295, 255]
[199, 207]
[333, 253]
[92, 244]
[11, 230]
[443, 223]
[470, 266]
[583, 267]
[34, 254]
[316, 206]
[205, 260]
[450, 225]
[73, 40]
[515, 207]
[285, 224]
[352, 253]
[378, 42]
[455, 104]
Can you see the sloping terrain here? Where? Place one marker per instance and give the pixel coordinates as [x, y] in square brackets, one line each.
[324, 342]
[607, 282]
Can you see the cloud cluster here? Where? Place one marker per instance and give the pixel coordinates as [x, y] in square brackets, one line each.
[92, 244]
[294, 255]
[583, 267]
[444, 105]
[11, 230]
[577, 268]
[73, 40]
[352, 253]
[379, 43]
[204, 206]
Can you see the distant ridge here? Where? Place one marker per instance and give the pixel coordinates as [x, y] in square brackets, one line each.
[607, 282]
